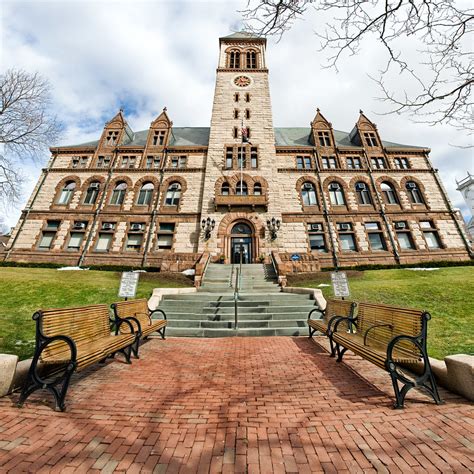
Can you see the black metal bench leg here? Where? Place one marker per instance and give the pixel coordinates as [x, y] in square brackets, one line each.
[161, 331]
[340, 352]
[331, 345]
[135, 347]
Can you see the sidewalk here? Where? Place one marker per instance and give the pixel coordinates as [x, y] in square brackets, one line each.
[271, 404]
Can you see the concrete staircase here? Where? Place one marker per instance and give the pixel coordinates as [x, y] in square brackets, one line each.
[262, 309]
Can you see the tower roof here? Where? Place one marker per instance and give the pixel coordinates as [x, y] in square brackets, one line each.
[243, 35]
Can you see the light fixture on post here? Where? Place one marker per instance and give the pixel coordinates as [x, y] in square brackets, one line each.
[207, 226]
[273, 226]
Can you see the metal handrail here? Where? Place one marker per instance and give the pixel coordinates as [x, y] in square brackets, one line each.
[231, 275]
[236, 299]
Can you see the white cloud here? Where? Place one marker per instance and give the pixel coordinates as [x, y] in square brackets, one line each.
[148, 54]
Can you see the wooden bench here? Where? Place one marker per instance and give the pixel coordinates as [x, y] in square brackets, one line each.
[334, 310]
[70, 339]
[138, 313]
[392, 338]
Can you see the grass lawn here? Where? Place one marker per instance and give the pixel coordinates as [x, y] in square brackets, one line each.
[24, 290]
[447, 293]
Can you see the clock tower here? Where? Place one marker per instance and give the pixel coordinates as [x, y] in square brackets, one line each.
[241, 158]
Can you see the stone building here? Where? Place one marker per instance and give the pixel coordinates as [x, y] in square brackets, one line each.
[466, 188]
[305, 198]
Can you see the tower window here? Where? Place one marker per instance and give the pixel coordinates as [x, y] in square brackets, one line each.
[234, 60]
[247, 113]
[236, 132]
[236, 97]
[251, 60]
[257, 189]
[236, 113]
[254, 157]
[247, 97]
[229, 153]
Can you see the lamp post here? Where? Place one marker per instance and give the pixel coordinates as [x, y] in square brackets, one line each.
[207, 226]
[273, 226]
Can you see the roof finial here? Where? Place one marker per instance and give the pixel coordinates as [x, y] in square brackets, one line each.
[360, 111]
[121, 110]
[317, 109]
[165, 109]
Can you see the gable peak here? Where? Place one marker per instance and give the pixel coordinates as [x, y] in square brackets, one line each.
[162, 120]
[320, 119]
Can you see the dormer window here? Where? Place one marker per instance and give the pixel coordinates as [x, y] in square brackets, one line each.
[112, 137]
[370, 139]
[324, 139]
[234, 60]
[159, 138]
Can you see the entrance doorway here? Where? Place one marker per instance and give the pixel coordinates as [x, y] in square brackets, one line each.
[241, 243]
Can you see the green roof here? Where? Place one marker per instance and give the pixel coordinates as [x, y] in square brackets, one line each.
[284, 136]
[239, 35]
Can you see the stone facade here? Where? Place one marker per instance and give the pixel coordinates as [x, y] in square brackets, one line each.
[336, 199]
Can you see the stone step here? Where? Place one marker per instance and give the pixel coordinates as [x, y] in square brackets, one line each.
[249, 332]
[198, 297]
[230, 316]
[243, 324]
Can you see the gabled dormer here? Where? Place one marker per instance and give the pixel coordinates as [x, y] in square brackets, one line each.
[365, 133]
[116, 132]
[159, 132]
[322, 134]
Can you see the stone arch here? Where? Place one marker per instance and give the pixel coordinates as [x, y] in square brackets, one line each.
[299, 184]
[111, 188]
[59, 187]
[85, 186]
[421, 187]
[138, 185]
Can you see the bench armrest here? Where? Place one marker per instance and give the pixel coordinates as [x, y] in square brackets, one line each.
[158, 311]
[351, 321]
[312, 311]
[380, 325]
[119, 321]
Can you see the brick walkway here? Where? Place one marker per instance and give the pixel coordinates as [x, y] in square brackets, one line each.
[236, 405]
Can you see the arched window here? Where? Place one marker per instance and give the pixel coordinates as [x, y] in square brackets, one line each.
[234, 60]
[308, 194]
[363, 193]
[145, 194]
[251, 60]
[388, 193]
[414, 193]
[241, 228]
[257, 189]
[67, 192]
[242, 189]
[92, 193]
[173, 195]
[225, 189]
[118, 194]
[336, 194]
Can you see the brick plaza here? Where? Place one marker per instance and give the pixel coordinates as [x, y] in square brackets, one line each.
[236, 405]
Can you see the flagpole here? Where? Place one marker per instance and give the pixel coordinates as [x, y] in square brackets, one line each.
[242, 158]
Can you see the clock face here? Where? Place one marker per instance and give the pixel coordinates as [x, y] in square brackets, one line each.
[242, 81]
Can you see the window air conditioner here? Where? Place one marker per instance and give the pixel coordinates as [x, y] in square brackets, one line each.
[136, 227]
[411, 186]
[308, 186]
[400, 225]
[344, 227]
[360, 187]
[333, 187]
[94, 186]
[107, 226]
[315, 227]
[79, 225]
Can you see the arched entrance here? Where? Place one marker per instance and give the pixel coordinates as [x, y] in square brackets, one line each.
[242, 243]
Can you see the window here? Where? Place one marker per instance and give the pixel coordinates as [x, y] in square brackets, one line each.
[75, 240]
[254, 157]
[378, 163]
[112, 138]
[234, 60]
[251, 60]
[84, 161]
[257, 189]
[178, 161]
[103, 242]
[229, 154]
[308, 194]
[317, 240]
[103, 161]
[353, 163]
[370, 139]
[159, 137]
[134, 241]
[235, 132]
[247, 113]
[236, 113]
[173, 195]
[128, 161]
[336, 194]
[241, 188]
[374, 233]
[329, 162]
[303, 162]
[145, 194]
[48, 235]
[247, 97]
[405, 240]
[225, 189]
[388, 193]
[346, 237]
[324, 138]
[241, 157]
[153, 162]
[92, 192]
[363, 193]
[75, 162]
[246, 135]
[67, 192]
[118, 194]
[414, 193]
[165, 236]
[236, 97]
[401, 163]
[430, 234]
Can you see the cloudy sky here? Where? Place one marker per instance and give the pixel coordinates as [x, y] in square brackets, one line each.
[144, 55]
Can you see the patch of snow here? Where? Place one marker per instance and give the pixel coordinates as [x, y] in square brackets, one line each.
[189, 272]
[72, 268]
[323, 284]
[139, 271]
[422, 269]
